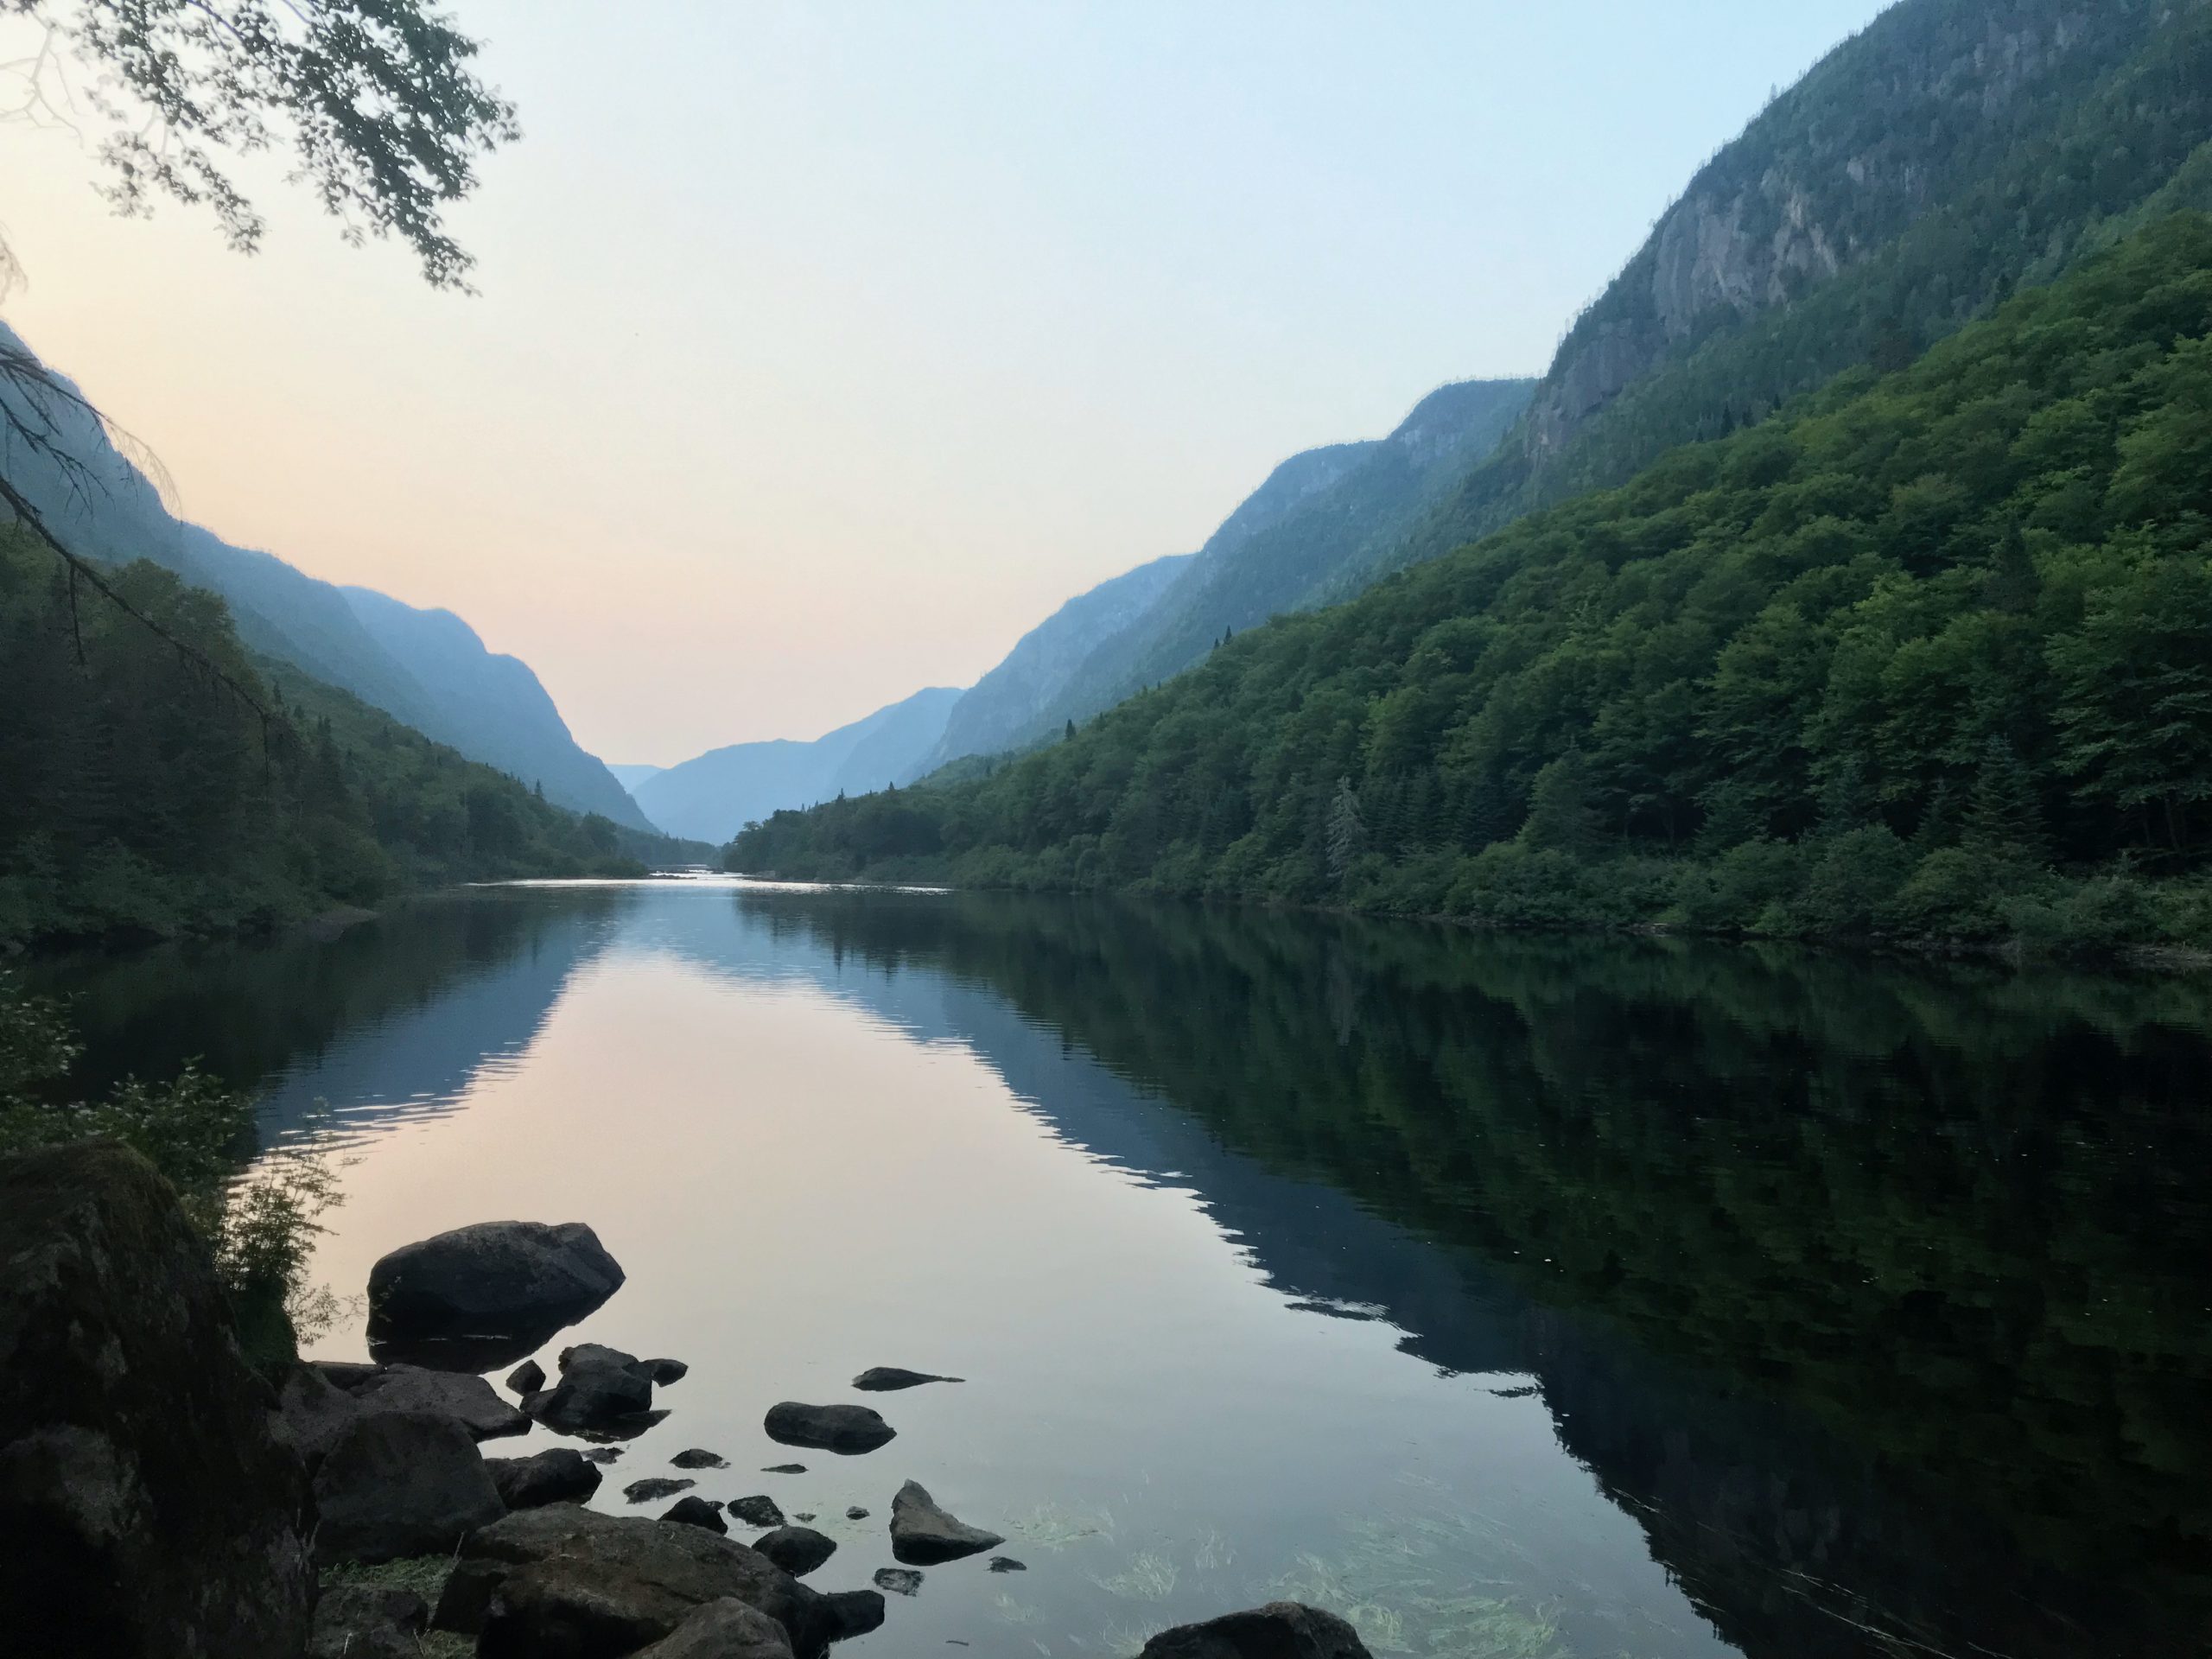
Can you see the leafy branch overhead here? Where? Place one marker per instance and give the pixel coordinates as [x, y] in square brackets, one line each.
[377, 101]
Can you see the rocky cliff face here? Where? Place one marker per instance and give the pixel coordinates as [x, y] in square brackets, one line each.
[147, 1511]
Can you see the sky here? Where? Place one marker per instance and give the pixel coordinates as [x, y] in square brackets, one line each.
[823, 349]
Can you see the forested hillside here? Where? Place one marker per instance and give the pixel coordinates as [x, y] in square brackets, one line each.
[145, 798]
[426, 669]
[1951, 151]
[1924, 655]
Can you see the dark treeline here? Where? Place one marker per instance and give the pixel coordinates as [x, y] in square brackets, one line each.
[1927, 655]
[146, 798]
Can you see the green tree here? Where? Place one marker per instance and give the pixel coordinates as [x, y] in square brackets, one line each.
[1346, 836]
[1561, 816]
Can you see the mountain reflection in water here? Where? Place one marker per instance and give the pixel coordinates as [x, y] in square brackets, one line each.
[1874, 1293]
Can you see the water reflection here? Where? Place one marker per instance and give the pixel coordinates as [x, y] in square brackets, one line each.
[1875, 1295]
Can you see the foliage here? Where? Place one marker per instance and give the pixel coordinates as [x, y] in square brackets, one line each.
[259, 1228]
[378, 100]
[144, 800]
[1927, 655]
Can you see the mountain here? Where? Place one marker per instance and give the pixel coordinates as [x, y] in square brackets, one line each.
[1950, 152]
[999, 711]
[1315, 529]
[632, 775]
[1922, 656]
[426, 669]
[490, 705]
[715, 795]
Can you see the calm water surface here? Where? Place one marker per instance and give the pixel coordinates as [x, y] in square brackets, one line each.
[1515, 1297]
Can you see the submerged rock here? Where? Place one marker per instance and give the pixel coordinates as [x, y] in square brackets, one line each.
[722, 1630]
[696, 1511]
[797, 1550]
[760, 1510]
[784, 1469]
[602, 1454]
[575, 1583]
[559, 1474]
[494, 1279]
[396, 1484]
[698, 1458]
[666, 1371]
[526, 1378]
[856, 1513]
[1282, 1629]
[883, 1379]
[653, 1486]
[469, 1401]
[149, 1507]
[898, 1580]
[1007, 1564]
[368, 1621]
[845, 1429]
[924, 1534]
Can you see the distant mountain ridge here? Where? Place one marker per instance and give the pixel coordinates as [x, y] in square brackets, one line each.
[713, 796]
[1313, 531]
[426, 669]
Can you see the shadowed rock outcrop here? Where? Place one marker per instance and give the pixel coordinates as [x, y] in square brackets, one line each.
[149, 1510]
[1282, 1629]
[923, 1534]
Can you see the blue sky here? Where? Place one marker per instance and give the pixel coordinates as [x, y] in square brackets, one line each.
[823, 349]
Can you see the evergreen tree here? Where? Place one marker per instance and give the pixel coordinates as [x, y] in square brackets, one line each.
[1347, 831]
[1561, 816]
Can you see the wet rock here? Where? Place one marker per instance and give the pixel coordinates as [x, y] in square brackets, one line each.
[1282, 1629]
[368, 1621]
[698, 1457]
[802, 1514]
[601, 1389]
[855, 1612]
[856, 1513]
[666, 1371]
[696, 1511]
[575, 1583]
[149, 1507]
[602, 1454]
[560, 1474]
[526, 1378]
[496, 1278]
[396, 1484]
[722, 1630]
[848, 1430]
[797, 1550]
[759, 1510]
[924, 1535]
[1007, 1564]
[884, 1379]
[346, 1373]
[620, 1428]
[469, 1401]
[784, 1469]
[898, 1580]
[655, 1486]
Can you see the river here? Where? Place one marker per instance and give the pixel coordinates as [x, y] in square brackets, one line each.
[1516, 1296]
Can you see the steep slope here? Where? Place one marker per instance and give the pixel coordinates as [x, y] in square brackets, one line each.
[713, 794]
[1922, 655]
[491, 705]
[1001, 709]
[427, 674]
[1316, 530]
[1950, 152]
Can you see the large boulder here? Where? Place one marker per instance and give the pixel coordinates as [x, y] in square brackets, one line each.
[1282, 1629]
[922, 1533]
[601, 1389]
[845, 1429]
[560, 1474]
[149, 1510]
[368, 1621]
[565, 1583]
[469, 1401]
[311, 1413]
[501, 1280]
[396, 1484]
[722, 1630]
[854, 1613]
